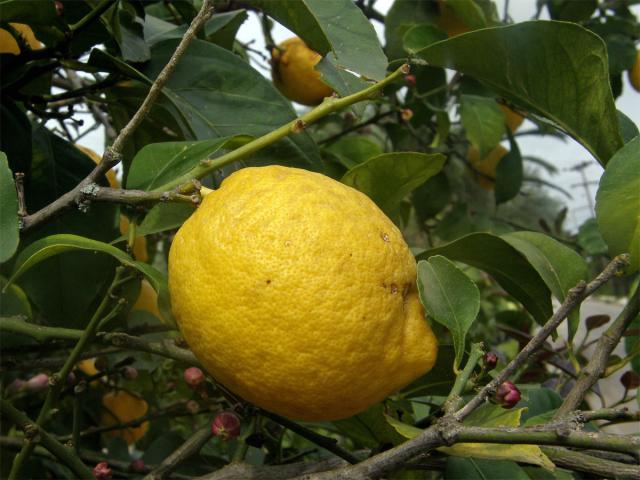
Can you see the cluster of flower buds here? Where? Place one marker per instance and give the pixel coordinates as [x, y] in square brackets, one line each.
[490, 360]
[102, 471]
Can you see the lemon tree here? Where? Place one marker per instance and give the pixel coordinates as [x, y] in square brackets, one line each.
[319, 239]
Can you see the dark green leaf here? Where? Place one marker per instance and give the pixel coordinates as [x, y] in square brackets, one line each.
[420, 36]
[621, 52]
[628, 128]
[338, 26]
[13, 300]
[341, 81]
[560, 267]
[509, 267]
[24, 12]
[554, 69]
[431, 197]
[9, 223]
[618, 203]
[570, 10]
[15, 136]
[540, 400]
[450, 298]
[53, 245]
[222, 27]
[389, 177]
[509, 174]
[354, 150]
[483, 122]
[439, 380]
[130, 38]
[369, 428]
[159, 163]
[402, 16]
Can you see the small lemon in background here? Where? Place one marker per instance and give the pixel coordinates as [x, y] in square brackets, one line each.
[294, 74]
[486, 167]
[512, 119]
[634, 74]
[8, 43]
[120, 407]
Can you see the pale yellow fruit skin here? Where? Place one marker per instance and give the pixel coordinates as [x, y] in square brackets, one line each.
[297, 293]
[294, 74]
[634, 74]
[486, 166]
[8, 43]
[121, 407]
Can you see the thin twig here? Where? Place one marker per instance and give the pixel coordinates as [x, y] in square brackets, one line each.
[33, 431]
[590, 374]
[574, 297]
[183, 453]
[113, 154]
[582, 462]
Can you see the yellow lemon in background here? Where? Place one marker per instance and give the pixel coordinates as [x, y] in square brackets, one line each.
[449, 22]
[294, 75]
[147, 301]
[296, 292]
[486, 167]
[121, 407]
[512, 119]
[634, 74]
[8, 43]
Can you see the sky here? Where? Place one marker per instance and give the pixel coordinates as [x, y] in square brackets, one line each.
[563, 154]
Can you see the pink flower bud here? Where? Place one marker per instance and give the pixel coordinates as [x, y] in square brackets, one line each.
[138, 466]
[490, 360]
[130, 373]
[507, 395]
[102, 471]
[193, 377]
[38, 383]
[410, 80]
[226, 425]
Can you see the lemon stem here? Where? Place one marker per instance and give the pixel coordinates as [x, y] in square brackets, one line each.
[330, 105]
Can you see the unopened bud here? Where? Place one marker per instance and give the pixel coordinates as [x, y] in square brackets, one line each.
[406, 114]
[490, 360]
[138, 466]
[71, 379]
[630, 380]
[37, 383]
[102, 471]
[410, 80]
[101, 364]
[507, 395]
[226, 425]
[193, 377]
[130, 373]
[192, 407]
[595, 321]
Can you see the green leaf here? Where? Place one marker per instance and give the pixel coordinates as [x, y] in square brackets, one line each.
[628, 128]
[13, 301]
[483, 121]
[338, 26]
[450, 298]
[9, 222]
[618, 203]
[342, 81]
[560, 267]
[389, 177]
[509, 267]
[15, 135]
[159, 163]
[47, 247]
[459, 468]
[213, 94]
[407, 431]
[557, 70]
[354, 150]
[402, 16]
[590, 239]
[540, 401]
[571, 11]
[439, 380]
[509, 174]
[369, 428]
[420, 36]
[24, 12]
[431, 197]
[470, 13]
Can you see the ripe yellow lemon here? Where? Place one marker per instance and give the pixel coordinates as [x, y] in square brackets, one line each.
[512, 119]
[294, 75]
[634, 74]
[147, 300]
[140, 244]
[449, 22]
[297, 293]
[486, 167]
[121, 407]
[8, 43]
